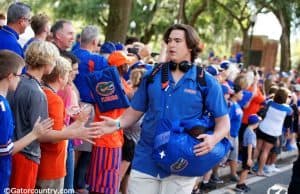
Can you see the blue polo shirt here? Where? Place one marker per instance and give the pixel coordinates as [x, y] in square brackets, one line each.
[177, 102]
[6, 145]
[9, 40]
[88, 62]
[235, 115]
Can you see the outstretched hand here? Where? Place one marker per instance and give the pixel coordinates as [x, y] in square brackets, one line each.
[106, 126]
[41, 128]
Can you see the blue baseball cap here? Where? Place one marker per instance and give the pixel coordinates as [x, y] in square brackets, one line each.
[107, 48]
[225, 64]
[119, 46]
[212, 70]
[253, 119]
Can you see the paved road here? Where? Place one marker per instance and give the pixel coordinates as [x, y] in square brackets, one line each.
[260, 185]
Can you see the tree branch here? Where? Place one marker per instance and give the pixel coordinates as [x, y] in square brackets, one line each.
[238, 19]
[197, 12]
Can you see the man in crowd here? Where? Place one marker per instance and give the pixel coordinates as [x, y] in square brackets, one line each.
[178, 101]
[18, 18]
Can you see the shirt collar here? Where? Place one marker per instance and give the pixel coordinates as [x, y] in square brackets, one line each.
[191, 73]
[10, 30]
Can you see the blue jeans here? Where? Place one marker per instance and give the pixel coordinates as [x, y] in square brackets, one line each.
[81, 170]
[69, 178]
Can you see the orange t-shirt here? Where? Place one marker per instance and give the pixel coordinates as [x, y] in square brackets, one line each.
[114, 139]
[254, 105]
[53, 155]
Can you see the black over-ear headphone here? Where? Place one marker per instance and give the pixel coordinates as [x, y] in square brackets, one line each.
[184, 66]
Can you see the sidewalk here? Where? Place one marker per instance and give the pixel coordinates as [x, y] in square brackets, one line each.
[284, 160]
[225, 171]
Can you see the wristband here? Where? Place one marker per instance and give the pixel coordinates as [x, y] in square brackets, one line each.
[118, 124]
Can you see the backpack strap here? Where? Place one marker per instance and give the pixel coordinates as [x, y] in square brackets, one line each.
[201, 76]
[202, 84]
[164, 67]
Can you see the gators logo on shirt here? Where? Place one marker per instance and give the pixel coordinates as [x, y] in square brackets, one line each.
[105, 88]
[179, 165]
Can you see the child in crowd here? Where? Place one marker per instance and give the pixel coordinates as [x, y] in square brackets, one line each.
[70, 97]
[249, 143]
[235, 115]
[11, 66]
[52, 169]
[104, 169]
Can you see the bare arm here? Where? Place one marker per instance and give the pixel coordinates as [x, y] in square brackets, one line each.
[39, 129]
[221, 130]
[129, 117]
[75, 130]
[249, 162]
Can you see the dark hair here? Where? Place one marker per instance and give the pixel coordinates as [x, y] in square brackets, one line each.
[10, 62]
[58, 26]
[131, 40]
[273, 89]
[70, 56]
[281, 95]
[191, 38]
[38, 23]
[2, 16]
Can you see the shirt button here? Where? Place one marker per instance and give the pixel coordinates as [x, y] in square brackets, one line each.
[167, 106]
[170, 95]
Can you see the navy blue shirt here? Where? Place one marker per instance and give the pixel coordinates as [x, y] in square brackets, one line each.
[9, 40]
[177, 102]
[6, 145]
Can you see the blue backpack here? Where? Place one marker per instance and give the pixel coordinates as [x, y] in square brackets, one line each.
[107, 92]
[174, 144]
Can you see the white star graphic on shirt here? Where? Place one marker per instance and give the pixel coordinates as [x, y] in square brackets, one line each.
[162, 154]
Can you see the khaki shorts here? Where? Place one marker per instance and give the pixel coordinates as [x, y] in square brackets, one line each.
[146, 184]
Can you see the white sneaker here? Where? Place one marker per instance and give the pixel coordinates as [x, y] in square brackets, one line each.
[267, 169]
[274, 169]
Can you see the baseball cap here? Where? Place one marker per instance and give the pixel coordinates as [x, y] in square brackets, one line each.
[118, 58]
[253, 119]
[119, 46]
[212, 70]
[107, 48]
[225, 64]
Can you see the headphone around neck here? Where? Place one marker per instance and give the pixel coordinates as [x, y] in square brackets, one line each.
[184, 66]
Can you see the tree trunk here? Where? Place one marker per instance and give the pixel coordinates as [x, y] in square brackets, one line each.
[285, 51]
[118, 20]
[285, 47]
[180, 17]
[245, 47]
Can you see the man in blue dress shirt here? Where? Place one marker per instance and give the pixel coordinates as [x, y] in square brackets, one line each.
[181, 100]
[18, 18]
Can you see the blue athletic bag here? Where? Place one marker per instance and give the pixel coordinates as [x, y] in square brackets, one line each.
[173, 149]
[107, 90]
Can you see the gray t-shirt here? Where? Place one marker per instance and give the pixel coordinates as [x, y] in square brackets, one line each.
[28, 103]
[249, 138]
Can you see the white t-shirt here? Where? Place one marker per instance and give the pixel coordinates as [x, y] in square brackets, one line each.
[273, 121]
